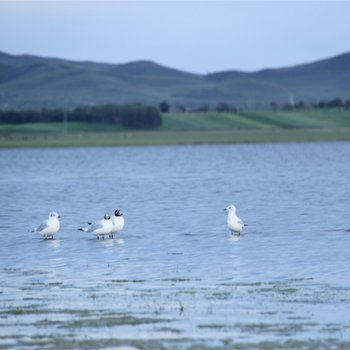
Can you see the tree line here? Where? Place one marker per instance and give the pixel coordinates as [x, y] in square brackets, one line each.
[223, 106]
[328, 104]
[133, 116]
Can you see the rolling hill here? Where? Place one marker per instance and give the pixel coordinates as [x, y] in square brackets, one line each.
[28, 81]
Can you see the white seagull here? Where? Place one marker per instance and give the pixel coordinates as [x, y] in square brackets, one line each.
[234, 223]
[99, 228]
[117, 221]
[49, 227]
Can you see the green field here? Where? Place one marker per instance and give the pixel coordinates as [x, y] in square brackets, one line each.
[188, 128]
[306, 119]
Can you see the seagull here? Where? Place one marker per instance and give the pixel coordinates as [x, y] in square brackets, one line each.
[117, 221]
[99, 228]
[234, 223]
[49, 227]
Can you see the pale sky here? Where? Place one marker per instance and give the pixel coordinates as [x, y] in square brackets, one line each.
[195, 36]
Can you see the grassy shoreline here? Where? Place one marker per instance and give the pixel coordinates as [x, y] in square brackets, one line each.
[188, 128]
[153, 138]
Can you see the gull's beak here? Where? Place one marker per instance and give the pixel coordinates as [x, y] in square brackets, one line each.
[225, 209]
[59, 216]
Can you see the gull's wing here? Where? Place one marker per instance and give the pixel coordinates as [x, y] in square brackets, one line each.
[242, 222]
[91, 227]
[42, 226]
[96, 225]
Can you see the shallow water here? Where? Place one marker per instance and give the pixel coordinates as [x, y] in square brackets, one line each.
[175, 277]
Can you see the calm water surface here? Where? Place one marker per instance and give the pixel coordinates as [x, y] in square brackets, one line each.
[175, 277]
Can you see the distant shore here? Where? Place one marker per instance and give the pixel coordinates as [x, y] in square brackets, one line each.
[188, 128]
[149, 138]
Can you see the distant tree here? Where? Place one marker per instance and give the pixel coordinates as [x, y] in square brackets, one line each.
[288, 107]
[153, 119]
[204, 108]
[335, 103]
[301, 105]
[131, 116]
[164, 107]
[233, 109]
[222, 107]
[274, 106]
[141, 117]
[181, 108]
[321, 104]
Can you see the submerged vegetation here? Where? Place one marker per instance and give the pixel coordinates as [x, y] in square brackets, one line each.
[201, 321]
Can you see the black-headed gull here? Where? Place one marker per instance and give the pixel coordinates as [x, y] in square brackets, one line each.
[49, 227]
[234, 223]
[99, 228]
[117, 221]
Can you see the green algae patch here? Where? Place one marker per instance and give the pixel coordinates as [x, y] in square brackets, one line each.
[222, 295]
[212, 326]
[128, 281]
[274, 328]
[53, 342]
[112, 321]
[177, 279]
[32, 311]
[286, 290]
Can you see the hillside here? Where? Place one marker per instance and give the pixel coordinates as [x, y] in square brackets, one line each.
[35, 82]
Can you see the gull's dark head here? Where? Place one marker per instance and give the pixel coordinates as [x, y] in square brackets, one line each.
[118, 212]
[107, 216]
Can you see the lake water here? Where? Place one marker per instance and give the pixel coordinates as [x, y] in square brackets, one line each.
[175, 277]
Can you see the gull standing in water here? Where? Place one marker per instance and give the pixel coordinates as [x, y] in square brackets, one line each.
[234, 223]
[117, 221]
[99, 228]
[49, 227]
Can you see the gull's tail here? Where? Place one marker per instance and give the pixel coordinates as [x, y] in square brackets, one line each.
[85, 229]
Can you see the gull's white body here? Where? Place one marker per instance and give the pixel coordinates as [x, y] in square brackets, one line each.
[118, 223]
[234, 223]
[49, 227]
[100, 227]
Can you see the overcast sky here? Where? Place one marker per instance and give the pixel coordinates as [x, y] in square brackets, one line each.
[195, 36]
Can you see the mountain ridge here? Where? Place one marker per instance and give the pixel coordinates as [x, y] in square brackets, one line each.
[29, 81]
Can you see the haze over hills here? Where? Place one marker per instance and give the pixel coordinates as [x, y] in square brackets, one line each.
[28, 81]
